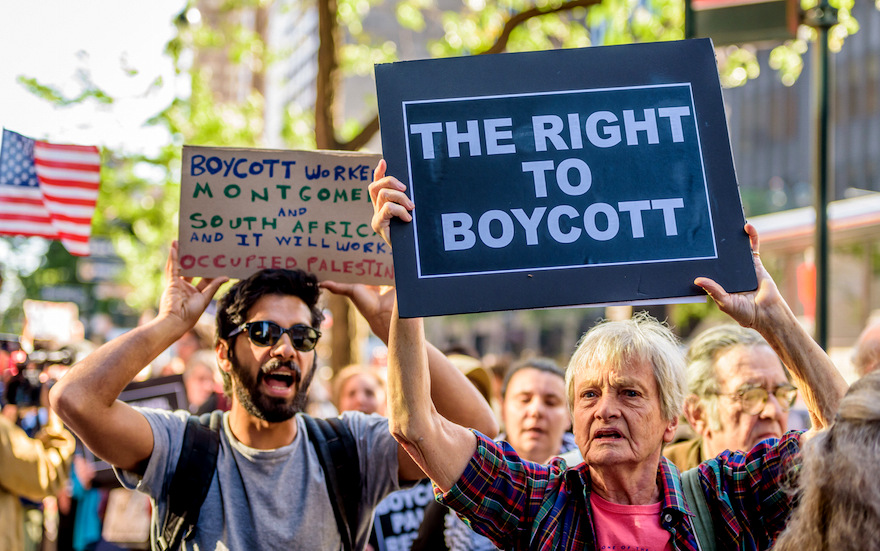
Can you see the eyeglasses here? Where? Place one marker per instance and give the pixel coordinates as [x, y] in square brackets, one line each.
[754, 398]
[268, 333]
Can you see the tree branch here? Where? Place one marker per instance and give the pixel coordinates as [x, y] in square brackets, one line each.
[501, 43]
[363, 137]
[367, 133]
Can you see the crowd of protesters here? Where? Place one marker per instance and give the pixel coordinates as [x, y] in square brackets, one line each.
[531, 402]
[734, 377]
[506, 446]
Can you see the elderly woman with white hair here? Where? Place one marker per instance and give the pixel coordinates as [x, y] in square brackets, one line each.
[626, 384]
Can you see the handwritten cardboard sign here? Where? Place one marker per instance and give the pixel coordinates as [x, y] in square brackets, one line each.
[588, 176]
[242, 210]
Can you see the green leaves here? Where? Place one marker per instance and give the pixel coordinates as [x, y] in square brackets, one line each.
[89, 91]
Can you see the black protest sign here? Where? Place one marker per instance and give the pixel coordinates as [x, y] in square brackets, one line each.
[166, 393]
[589, 176]
[398, 517]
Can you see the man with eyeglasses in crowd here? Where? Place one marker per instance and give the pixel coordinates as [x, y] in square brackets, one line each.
[268, 491]
[740, 394]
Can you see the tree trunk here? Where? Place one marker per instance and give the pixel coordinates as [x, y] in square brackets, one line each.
[343, 334]
[327, 80]
[258, 71]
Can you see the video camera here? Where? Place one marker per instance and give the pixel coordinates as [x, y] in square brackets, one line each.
[42, 358]
[43, 355]
[28, 371]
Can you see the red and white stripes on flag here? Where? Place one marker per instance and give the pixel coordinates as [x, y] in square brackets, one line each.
[48, 190]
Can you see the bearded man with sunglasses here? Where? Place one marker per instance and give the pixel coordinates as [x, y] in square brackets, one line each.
[268, 491]
[739, 394]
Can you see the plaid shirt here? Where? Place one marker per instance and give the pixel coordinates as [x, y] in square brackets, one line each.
[524, 505]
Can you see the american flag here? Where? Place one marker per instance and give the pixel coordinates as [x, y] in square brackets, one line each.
[48, 190]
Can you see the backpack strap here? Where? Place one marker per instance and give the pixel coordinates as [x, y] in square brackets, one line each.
[191, 480]
[338, 454]
[696, 500]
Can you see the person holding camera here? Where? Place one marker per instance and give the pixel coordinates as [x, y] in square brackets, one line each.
[33, 468]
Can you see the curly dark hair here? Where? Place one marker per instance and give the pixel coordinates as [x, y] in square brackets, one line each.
[233, 308]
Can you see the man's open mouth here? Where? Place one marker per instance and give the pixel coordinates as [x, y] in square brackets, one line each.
[280, 379]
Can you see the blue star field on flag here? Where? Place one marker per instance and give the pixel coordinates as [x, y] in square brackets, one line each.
[17, 161]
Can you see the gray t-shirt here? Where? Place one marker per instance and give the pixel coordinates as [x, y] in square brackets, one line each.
[269, 499]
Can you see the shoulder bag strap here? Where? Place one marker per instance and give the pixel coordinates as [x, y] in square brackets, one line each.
[337, 451]
[191, 479]
[696, 500]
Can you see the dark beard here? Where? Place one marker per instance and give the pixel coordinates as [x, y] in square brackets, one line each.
[268, 408]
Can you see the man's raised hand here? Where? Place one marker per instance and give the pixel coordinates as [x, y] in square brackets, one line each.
[182, 299]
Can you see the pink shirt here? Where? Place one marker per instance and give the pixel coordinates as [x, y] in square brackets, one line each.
[628, 527]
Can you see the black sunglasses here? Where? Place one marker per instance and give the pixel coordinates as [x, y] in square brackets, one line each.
[268, 333]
